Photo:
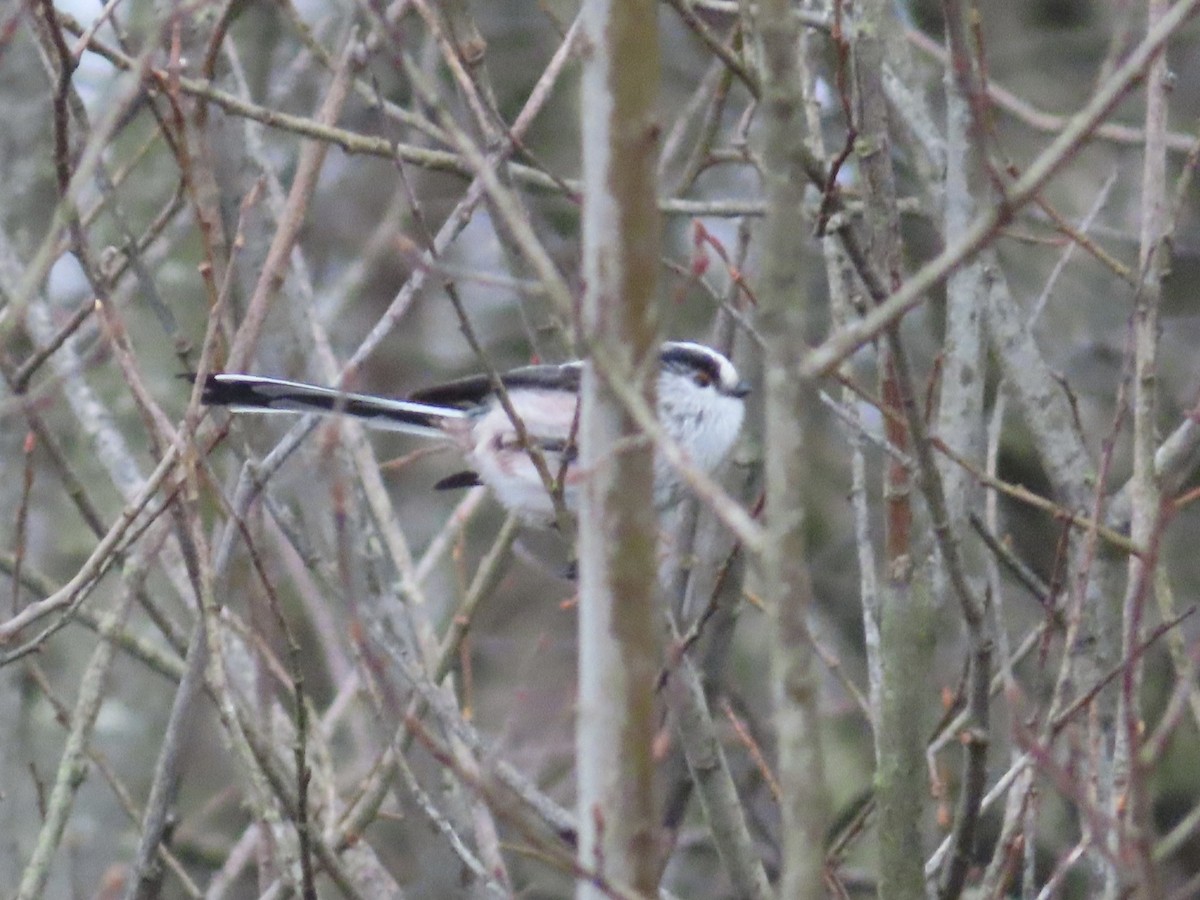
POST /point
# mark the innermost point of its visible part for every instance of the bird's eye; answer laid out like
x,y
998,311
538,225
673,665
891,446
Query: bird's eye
x,y
702,379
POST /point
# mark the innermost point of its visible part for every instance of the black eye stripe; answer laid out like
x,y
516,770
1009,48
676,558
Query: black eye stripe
x,y
686,361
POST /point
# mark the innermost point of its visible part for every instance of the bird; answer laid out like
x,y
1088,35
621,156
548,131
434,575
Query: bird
x,y
701,406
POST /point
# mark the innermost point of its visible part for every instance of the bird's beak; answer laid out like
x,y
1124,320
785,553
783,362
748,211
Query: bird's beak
x,y
739,390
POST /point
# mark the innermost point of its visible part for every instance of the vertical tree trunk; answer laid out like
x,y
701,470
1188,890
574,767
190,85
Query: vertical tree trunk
x,y
789,401
618,630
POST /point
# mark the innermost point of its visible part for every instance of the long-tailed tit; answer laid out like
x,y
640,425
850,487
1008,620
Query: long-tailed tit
x,y
700,405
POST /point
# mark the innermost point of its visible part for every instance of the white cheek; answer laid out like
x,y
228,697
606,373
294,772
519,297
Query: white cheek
x,y
704,423
716,432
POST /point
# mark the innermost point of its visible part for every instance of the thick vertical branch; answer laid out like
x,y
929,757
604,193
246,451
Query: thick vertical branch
x,y
618,529
786,586
903,602
1130,787
960,418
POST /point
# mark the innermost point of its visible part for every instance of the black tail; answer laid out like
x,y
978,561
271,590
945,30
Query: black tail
x,y
254,393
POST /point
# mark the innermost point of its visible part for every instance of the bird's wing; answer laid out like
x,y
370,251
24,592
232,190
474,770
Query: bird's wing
x,y
475,389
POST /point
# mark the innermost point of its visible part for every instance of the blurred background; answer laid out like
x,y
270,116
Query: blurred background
x,y
358,272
